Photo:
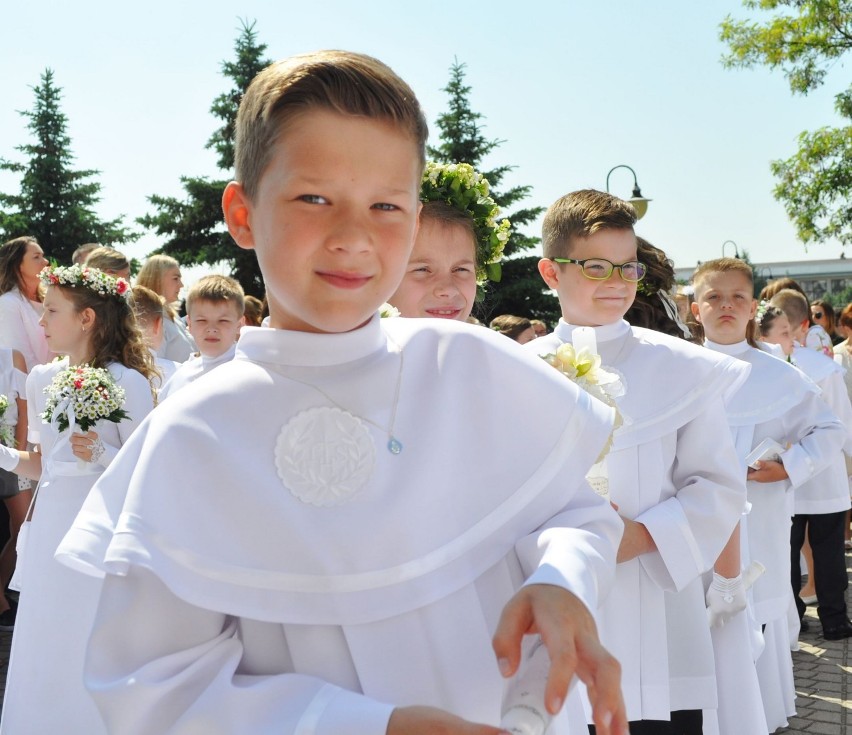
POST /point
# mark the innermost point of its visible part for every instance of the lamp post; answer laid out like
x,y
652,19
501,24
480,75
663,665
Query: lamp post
x,y
736,249
640,203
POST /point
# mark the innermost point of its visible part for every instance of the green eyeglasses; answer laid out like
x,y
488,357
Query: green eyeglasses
x,y
599,269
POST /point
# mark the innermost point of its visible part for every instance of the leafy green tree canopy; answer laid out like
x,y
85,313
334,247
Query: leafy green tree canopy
x,y
193,227
55,203
520,290
805,39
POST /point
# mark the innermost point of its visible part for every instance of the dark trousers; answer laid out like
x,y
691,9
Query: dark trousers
x,y
683,722
825,533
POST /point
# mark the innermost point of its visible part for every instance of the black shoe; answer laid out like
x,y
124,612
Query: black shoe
x,y
7,619
804,626
837,632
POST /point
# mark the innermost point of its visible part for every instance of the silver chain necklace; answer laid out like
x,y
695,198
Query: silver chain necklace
x,y
394,445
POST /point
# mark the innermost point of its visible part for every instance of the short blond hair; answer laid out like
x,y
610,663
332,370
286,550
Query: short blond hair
x,y
107,259
793,304
217,289
340,81
581,214
721,265
148,306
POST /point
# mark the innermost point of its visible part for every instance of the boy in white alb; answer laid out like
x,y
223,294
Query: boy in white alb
x,y
820,504
679,502
215,308
343,547
777,402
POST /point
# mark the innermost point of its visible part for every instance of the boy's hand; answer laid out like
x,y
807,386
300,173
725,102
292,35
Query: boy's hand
x,y
432,721
568,631
768,470
635,541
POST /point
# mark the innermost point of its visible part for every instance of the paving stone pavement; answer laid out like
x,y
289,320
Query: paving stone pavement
x,y
823,672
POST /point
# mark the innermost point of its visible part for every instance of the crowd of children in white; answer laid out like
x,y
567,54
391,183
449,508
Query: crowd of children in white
x,y
366,516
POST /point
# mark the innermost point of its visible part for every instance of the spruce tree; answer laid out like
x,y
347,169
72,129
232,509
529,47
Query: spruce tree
x,y
520,291
55,203
193,225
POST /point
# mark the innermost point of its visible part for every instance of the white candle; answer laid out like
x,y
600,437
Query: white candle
x,y
584,337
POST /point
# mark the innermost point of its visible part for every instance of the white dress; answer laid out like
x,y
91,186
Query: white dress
x,y
44,687
664,474
253,601
777,402
20,330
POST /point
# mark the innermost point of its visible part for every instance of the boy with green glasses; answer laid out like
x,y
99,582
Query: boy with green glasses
x,y
679,501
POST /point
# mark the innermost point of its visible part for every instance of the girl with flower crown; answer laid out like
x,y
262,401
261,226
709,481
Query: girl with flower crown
x,y
458,247
88,319
775,403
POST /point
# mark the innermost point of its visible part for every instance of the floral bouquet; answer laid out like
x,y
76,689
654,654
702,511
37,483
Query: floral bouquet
x,y
81,396
7,438
583,366
387,311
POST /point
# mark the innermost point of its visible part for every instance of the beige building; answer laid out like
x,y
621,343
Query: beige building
x,y
816,277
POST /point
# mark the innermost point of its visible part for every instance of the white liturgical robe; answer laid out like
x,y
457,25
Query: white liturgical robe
x,y
776,402
273,568
672,467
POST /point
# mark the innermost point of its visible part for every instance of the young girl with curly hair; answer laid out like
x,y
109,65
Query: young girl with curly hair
x,y
88,319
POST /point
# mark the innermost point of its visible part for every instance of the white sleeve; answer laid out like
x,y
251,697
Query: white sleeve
x,y
13,334
33,417
691,528
575,549
138,403
834,393
817,436
157,664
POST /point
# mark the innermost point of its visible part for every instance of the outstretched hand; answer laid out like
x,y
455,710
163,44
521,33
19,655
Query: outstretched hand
x,y
568,631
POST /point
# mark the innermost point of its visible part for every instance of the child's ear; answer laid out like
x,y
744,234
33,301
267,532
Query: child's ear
x,y
549,272
87,319
236,208
693,307
753,309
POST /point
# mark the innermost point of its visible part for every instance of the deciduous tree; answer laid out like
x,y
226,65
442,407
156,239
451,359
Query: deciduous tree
x,y
805,39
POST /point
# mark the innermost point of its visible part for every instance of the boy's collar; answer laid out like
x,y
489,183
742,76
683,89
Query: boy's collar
x,y
308,349
737,348
603,333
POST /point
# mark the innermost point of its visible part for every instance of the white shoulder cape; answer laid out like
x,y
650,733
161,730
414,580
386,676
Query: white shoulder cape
x,y
495,444
684,376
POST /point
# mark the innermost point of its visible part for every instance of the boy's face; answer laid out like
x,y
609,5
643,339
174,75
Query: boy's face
x,y
333,221
587,302
214,325
440,280
724,304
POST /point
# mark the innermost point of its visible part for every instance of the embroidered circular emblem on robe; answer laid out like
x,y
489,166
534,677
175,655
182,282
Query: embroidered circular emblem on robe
x,y
324,455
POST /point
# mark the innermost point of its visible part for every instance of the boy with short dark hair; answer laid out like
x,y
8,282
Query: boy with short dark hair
x,y
678,498
341,544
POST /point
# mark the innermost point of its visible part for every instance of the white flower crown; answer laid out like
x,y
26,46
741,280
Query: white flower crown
x,y
82,275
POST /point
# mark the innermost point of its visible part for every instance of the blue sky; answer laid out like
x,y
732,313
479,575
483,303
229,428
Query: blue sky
x,y
574,89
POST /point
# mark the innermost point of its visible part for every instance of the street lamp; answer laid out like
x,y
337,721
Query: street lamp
x,y
640,203
736,249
